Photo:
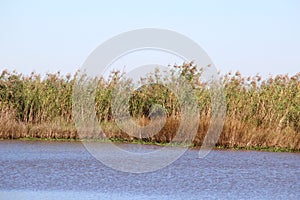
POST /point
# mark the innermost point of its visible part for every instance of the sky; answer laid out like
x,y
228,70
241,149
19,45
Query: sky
x,y
249,36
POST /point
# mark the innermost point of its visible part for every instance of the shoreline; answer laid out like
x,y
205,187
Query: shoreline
x,y
261,114
195,147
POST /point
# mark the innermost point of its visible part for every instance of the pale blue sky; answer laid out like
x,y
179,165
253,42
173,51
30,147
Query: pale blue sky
x,y
250,36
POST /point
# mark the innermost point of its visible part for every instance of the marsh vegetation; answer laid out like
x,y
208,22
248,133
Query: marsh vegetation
x,y
260,112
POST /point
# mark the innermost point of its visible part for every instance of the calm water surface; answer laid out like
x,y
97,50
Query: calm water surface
x,y
65,170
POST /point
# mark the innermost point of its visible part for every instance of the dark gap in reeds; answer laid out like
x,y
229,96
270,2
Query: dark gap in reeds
x,y
260,113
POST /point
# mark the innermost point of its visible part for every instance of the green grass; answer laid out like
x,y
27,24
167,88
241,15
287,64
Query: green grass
x,y
136,141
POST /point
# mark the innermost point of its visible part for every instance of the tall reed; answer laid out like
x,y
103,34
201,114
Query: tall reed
x,y
260,112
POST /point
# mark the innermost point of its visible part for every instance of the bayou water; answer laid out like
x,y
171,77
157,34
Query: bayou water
x,y
66,170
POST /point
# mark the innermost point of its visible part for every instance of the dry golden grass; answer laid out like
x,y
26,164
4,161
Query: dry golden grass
x,y
260,113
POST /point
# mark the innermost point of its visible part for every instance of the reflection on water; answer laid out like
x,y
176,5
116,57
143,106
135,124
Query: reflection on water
x,y
65,170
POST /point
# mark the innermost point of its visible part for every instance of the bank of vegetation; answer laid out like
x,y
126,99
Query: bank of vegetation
x,y
261,113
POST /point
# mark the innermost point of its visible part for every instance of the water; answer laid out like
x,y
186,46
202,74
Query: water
x,y
65,170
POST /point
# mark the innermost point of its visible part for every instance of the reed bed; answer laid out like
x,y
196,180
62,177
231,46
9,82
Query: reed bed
x,y
263,113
